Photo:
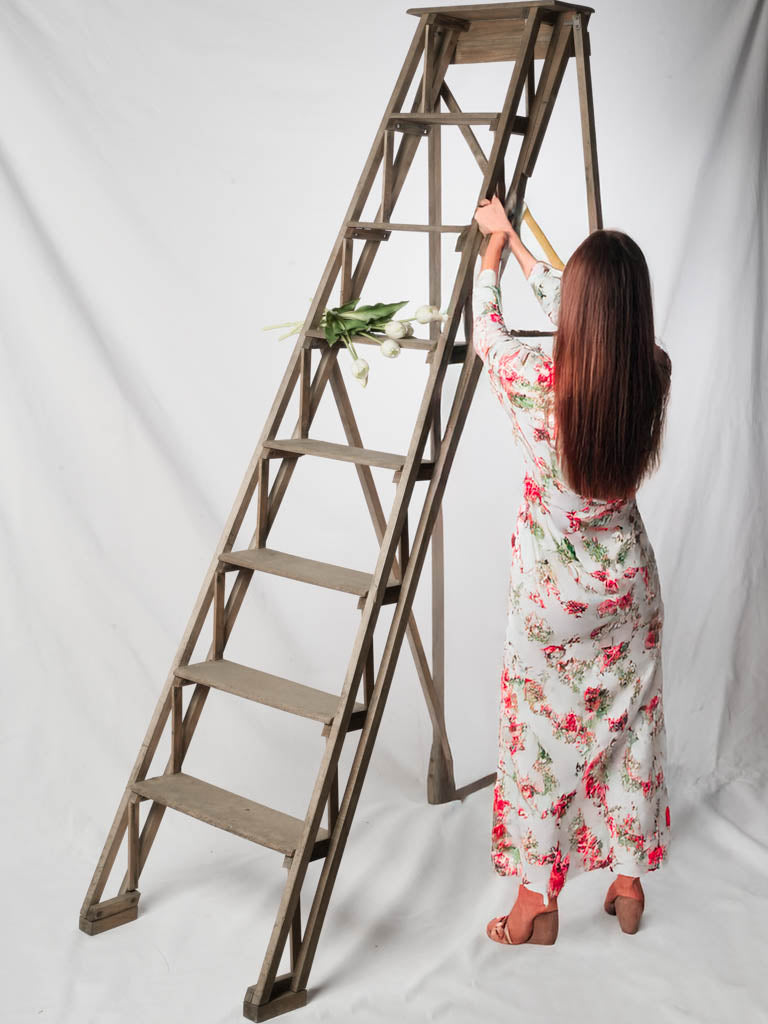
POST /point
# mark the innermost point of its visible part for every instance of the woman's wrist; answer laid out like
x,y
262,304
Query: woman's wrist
x,y
522,254
497,241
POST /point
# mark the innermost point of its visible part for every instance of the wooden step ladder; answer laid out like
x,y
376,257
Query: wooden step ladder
x,y
523,33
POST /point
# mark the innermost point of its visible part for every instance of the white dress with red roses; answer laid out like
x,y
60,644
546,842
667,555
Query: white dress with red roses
x,y
582,745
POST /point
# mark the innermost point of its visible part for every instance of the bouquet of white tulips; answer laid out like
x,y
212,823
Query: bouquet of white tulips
x,y
374,322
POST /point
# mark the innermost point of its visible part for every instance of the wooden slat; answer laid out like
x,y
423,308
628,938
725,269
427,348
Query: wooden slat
x,y
445,117
114,906
342,452
390,226
546,94
306,570
497,40
133,845
319,340
415,119
584,77
225,810
450,101
493,12
265,688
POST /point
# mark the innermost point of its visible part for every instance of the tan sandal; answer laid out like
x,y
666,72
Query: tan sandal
x,y
626,901
544,928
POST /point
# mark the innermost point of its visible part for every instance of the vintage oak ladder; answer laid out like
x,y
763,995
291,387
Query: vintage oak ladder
x,y
551,33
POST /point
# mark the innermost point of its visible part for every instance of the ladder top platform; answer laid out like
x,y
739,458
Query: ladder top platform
x,y
494,32
492,12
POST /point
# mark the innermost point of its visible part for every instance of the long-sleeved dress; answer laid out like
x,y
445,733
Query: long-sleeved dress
x,y
582,745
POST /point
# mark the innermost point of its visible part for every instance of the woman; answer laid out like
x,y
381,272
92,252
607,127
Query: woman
x,y
582,745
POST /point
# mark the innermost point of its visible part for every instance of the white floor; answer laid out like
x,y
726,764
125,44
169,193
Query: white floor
x,y
404,935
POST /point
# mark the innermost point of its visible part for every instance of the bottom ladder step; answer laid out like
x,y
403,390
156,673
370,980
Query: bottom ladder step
x,y
230,812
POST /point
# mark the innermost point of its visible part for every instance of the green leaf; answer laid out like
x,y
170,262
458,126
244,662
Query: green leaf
x,y
354,316
332,328
346,321
381,309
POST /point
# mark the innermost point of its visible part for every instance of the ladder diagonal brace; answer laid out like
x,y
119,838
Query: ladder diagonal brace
x,y
379,522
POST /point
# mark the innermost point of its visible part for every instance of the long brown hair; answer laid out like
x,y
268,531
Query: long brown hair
x,y
611,380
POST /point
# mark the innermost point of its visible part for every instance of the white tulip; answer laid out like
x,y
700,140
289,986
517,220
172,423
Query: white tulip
x,y
360,370
395,329
424,314
390,348
408,329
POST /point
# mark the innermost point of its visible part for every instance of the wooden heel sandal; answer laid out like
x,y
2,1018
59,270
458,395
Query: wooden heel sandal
x,y
544,929
626,905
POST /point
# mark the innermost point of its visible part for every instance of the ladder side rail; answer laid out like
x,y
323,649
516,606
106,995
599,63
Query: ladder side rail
x,y
469,375
242,581
202,605
239,589
260,992
558,53
562,46
586,105
441,781
543,101
364,749
406,151
440,775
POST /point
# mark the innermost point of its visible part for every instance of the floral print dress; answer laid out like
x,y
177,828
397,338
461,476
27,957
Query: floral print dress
x,y
580,777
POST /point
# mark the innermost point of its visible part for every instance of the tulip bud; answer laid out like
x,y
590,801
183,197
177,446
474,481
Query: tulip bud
x,y
395,329
360,370
424,314
390,348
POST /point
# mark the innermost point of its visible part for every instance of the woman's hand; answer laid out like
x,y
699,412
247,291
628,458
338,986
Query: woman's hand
x,y
492,217
492,220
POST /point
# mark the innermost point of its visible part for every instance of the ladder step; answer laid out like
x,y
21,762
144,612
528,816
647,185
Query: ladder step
x,y
348,453
265,688
228,811
307,570
343,452
319,340
416,120
386,226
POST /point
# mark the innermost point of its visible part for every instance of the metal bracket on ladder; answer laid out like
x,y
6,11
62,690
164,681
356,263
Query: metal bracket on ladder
x,y
550,32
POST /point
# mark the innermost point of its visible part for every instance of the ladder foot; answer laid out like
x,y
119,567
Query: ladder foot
x,y
282,1000
110,913
441,785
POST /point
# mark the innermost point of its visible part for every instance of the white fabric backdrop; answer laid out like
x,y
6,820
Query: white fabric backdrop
x,y
173,175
